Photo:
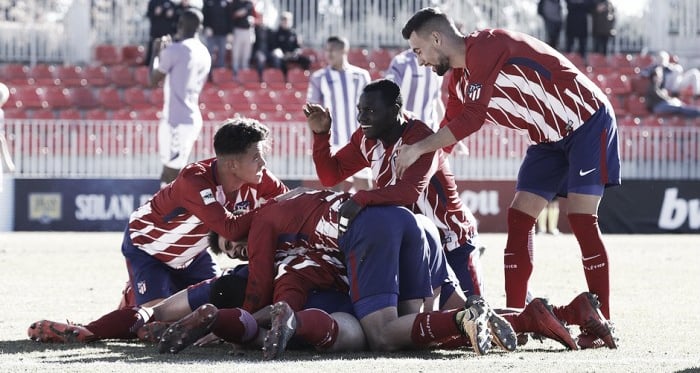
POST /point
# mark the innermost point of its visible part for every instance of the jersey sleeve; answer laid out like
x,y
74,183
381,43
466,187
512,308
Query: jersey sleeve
x,y
270,186
313,93
261,264
334,168
166,59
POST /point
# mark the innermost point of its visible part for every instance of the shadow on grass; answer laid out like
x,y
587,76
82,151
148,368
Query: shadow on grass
x,y
139,352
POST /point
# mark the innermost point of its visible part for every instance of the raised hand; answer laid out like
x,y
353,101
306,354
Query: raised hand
x,y
318,118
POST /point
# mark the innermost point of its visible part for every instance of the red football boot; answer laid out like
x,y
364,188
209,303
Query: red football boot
x,y
151,332
188,329
584,311
538,318
283,326
57,332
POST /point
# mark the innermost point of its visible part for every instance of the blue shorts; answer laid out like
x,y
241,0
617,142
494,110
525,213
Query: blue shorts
x,y
440,272
386,254
152,279
586,161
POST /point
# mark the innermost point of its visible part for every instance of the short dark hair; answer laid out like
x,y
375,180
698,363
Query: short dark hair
x,y
191,19
214,243
391,93
236,135
419,20
341,41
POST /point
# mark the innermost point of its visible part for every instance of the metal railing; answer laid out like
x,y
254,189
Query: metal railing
x,y
128,149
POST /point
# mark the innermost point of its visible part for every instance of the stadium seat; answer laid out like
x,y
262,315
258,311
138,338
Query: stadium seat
x,y
96,76
598,63
69,114
249,78
150,113
222,77
577,60
628,121
142,76
121,76
617,84
274,78
57,97
156,97
358,57
16,74
298,78
15,113
110,98
640,84
43,114
43,75
621,63
636,105
96,114
107,54
27,97
380,58
83,98
292,97
643,60
213,100
137,98
133,55
70,76
123,114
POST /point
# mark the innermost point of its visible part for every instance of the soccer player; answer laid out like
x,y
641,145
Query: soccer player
x,y
421,88
165,243
338,87
427,187
514,80
184,65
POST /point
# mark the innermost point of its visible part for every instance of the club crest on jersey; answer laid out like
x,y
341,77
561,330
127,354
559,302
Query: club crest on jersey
x,y
241,207
207,196
474,91
141,287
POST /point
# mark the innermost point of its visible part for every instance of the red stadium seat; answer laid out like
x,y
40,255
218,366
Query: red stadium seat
x,y
577,60
16,113
358,57
69,114
43,114
70,76
273,78
122,76
249,78
617,84
96,114
28,97
137,98
142,76
156,97
298,78
628,121
643,60
15,74
636,105
598,63
83,98
213,100
43,75
150,113
133,55
96,76
110,98
107,54
123,114
57,97
222,77
380,58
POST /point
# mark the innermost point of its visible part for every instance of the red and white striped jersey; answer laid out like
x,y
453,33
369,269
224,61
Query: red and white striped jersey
x,y
517,81
306,226
173,226
427,187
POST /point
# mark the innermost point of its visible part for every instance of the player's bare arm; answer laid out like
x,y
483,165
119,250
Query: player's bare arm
x,y
318,118
409,154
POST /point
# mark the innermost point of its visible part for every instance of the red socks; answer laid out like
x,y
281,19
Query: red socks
x,y
517,258
594,257
114,325
316,327
432,329
235,325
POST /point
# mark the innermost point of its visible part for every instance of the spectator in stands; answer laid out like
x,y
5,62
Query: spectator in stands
x,y
659,101
338,87
603,14
163,17
243,15
261,47
5,158
217,27
577,25
421,88
676,79
286,46
551,13
184,65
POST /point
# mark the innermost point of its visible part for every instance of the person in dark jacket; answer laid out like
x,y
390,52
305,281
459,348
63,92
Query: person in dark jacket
x,y
603,15
577,25
286,46
217,27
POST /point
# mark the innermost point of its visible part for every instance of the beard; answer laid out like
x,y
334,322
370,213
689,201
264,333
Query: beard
x,y
443,66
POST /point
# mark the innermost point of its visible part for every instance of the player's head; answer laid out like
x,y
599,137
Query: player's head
x,y
234,250
428,32
4,94
336,51
190,22
240,145
286,20
378,110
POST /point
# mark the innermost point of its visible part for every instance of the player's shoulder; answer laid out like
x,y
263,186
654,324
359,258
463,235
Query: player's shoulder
x,y
416,129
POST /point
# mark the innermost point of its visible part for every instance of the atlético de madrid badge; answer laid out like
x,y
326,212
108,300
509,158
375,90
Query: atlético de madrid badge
x,y
474,91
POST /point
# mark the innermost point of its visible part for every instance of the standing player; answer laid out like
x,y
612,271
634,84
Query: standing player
x,y
427,187
421,88
338,87
165,244
184,66
517,81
